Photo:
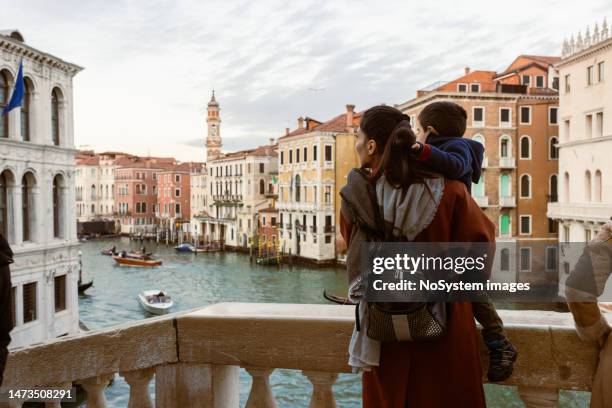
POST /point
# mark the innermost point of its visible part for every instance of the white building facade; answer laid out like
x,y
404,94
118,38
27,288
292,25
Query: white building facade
x,y
95,188
37,192
585,112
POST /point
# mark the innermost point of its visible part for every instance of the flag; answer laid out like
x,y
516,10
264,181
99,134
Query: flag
x,y
18,92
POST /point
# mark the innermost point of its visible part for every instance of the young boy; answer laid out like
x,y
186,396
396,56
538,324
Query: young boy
x,y
441,146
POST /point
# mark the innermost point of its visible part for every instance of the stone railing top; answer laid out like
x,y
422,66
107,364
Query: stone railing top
x,y
294,336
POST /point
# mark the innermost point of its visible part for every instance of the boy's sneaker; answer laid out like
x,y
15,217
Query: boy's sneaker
x,y
502,355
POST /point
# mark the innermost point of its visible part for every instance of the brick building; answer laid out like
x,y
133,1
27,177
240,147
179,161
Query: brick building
x,y
136,192
515,115
174,197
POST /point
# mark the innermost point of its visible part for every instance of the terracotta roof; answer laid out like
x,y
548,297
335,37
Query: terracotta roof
x,y
484,78
336,124
88,161
524,61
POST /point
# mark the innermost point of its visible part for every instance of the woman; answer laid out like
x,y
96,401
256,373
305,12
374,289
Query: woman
x,y
422,207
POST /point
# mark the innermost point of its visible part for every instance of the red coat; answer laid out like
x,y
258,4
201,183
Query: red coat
x,y
447,372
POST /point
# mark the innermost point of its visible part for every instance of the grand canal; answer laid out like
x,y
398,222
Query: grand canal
x,y
196,281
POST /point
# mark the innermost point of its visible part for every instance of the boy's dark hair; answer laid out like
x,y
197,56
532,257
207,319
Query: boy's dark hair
x,y
448,118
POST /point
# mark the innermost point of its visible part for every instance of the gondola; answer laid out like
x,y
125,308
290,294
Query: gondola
x,y
337,299
84,286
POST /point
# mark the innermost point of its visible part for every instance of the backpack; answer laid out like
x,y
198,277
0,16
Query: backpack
x,y
397,321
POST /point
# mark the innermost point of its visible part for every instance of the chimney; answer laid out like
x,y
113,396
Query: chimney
x,y
467,70
350,110
300,123
286,131
272,140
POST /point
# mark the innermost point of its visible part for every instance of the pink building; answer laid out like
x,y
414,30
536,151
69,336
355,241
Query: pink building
x,y
174,196
136,192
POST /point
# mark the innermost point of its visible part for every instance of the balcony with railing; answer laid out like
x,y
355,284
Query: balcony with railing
x,y
482,201
507,201
194,357
507,162
329,229
592,212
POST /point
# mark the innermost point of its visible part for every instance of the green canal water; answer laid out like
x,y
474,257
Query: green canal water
x,y
195,281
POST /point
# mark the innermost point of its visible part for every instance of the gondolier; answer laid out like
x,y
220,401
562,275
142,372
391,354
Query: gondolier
x,y
6,316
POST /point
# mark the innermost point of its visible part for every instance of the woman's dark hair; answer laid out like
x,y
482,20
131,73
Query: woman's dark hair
x,y
448,118
390,129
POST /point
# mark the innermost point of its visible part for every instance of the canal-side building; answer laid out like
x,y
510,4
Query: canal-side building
x,y
239,185
37,191
314,160
136,192
95,186
173,207
514,114
585,169
199,197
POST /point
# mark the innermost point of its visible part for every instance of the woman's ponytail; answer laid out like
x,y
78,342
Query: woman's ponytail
x,y
391,130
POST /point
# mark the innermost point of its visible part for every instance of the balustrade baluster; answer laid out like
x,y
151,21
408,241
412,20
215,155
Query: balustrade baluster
x,y
322,393
61,386
539,397
139,387
261,394
95,390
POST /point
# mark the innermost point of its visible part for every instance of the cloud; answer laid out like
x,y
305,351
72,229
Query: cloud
x,y
151,64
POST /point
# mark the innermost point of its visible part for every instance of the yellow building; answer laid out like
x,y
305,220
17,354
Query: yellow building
x,y
314,160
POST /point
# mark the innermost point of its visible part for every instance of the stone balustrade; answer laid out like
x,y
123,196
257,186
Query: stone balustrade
x,y
194,357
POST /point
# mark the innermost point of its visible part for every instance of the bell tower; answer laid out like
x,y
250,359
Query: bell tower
x,y
213,138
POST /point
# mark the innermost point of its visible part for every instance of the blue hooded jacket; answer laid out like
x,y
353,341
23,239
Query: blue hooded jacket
x,y
455,158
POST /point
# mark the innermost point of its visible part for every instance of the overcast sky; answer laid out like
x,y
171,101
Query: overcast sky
x,y
150,65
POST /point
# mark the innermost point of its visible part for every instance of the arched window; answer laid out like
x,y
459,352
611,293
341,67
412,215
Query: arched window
x,y
297,188
525,186
58,207
93,192
553,189
26,110
27,184
553,148
587,186
566,187
597,195
525,147
504,147
262,187
56,98
4,99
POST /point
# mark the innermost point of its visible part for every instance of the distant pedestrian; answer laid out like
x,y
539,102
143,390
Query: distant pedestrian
x,y
6,315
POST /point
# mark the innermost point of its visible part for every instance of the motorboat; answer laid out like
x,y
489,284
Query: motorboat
x,y
186,247
136,260
155,301
212,247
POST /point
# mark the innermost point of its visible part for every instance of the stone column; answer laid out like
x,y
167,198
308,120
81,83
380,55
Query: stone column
x,y
14,193
261,394
203,385
36,215
322,393
139,387
95,390
57,403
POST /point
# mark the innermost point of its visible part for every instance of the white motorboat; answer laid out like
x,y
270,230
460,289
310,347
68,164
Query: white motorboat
x,y
155,301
